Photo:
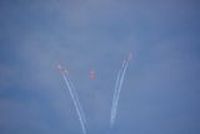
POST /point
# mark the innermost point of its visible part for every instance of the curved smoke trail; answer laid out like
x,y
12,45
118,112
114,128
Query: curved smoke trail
x,y
75,99
115,94
117,90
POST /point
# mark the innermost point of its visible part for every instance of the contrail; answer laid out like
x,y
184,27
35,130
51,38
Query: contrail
x,y
118,87
75,99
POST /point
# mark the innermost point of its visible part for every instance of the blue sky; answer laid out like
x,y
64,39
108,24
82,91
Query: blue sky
x,y
161,92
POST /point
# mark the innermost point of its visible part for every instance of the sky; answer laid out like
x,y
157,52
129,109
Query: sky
x,y
161,90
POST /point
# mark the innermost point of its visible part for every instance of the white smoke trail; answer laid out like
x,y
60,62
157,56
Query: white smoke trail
x,y
115,92
117,80
118,87
76,102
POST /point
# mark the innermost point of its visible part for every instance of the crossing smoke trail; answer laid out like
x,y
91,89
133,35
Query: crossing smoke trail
x,y
117,90
75,99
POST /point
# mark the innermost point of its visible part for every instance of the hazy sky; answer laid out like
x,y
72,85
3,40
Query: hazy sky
x,y
161,91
